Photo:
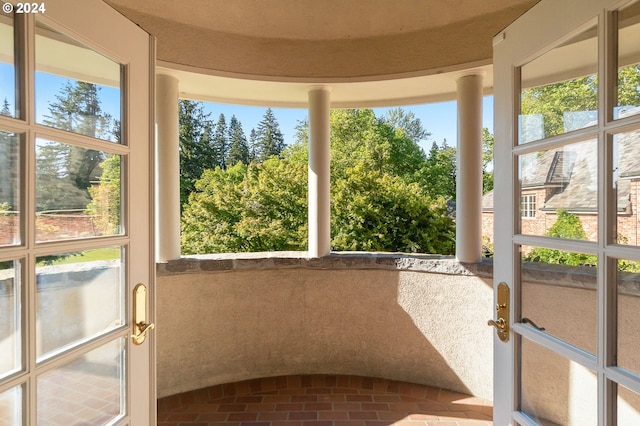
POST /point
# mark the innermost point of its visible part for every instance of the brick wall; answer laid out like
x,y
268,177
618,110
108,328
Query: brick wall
x,y
627,222
50,227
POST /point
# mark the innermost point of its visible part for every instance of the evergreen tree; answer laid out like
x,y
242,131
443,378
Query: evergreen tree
x,y
65,172
268,139
438,175
196,145
77,109
239,148
220,142
9,150
253,136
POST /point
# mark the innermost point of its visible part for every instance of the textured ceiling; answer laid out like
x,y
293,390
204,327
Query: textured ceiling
x,y
395,51
329,39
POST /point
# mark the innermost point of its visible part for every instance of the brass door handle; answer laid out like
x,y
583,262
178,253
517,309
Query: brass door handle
x,y
140,332
502,308
500,324
140,325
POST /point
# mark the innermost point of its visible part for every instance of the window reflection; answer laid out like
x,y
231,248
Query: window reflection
x,y
628,93
7,67
77,192
9,189
559,192
77,89
88,287
559,90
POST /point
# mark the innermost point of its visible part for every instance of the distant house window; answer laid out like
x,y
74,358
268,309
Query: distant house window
x,y
528,206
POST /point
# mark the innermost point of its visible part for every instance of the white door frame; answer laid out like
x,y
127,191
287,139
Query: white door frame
x,y
100,27
535,32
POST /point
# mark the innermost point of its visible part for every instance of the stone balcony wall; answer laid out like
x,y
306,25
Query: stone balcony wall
x,y
228,318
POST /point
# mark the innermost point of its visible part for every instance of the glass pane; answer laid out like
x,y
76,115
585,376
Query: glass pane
x,y
87,391
11,407
80,296
626,179
77,192
555,390
628,407
10,324
559,90
628,102
628,308
550,279
7,66
559,192
9,189
77,89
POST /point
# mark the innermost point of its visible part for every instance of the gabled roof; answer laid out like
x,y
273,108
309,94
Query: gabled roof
x,y
571,172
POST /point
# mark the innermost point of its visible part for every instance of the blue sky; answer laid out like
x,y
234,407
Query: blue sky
x,y
440,119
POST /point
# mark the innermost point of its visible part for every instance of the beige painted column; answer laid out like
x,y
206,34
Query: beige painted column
x,y
469,168
167,169
319,173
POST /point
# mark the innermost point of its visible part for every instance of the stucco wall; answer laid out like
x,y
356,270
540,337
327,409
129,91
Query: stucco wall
x,y
339,317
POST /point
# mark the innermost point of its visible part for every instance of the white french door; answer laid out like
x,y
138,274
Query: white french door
x,y
567,234
76,81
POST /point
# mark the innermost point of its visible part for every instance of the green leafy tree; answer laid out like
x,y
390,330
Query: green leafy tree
x,y
238,146
438,173
105,197
487,161
269,140
56,186
376,211
377,202
197,153
407,124
568,226
553,100
629,86
255,207
65,172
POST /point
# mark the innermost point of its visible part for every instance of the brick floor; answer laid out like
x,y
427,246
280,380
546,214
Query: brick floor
x,y
323,400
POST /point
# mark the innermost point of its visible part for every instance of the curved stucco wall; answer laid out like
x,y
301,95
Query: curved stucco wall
x,y
221,326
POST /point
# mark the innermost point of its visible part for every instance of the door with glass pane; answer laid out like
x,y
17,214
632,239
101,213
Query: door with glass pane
x,y
75,209
567,108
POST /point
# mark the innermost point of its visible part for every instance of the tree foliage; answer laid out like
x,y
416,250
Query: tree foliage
x,y
259,207
407,124
487,161
238,146
378,202
567,225
65,172
375,211
438,174
105,197
197,151
268,139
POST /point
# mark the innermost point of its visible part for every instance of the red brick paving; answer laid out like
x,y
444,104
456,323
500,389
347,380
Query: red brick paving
x,y
323,400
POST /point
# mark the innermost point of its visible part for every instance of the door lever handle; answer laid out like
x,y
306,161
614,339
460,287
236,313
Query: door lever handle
x,y
140,325
528,321
500,324
502,311
141,332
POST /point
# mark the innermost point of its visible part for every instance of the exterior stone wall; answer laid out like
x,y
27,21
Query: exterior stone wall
x,y
421,319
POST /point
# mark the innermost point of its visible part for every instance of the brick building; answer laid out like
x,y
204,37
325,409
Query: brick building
x,y
565,178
